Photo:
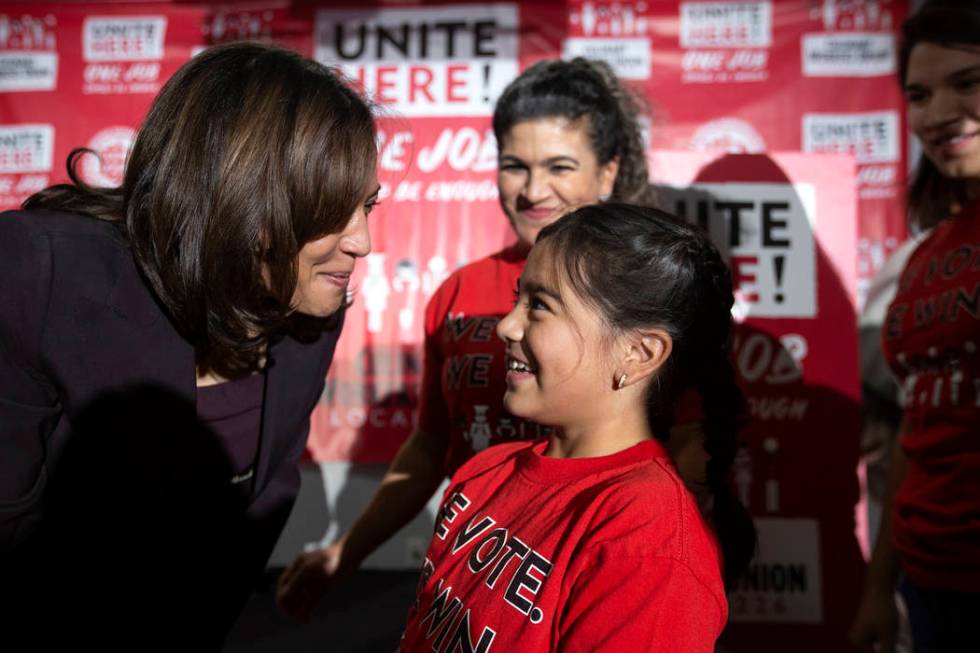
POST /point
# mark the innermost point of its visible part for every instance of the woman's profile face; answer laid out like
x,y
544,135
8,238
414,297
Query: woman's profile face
x,y
942,89
547,167
325,265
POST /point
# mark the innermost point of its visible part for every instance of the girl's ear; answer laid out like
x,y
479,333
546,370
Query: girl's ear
x,y
645,351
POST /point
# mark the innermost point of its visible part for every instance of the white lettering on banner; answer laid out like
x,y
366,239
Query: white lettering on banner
x,y
871,137
857,15
238,25
461,56
112,148
727,135
723,66
26,148
783,583
848,54
28,60
462,149
760,358
726,24
766,230
375,290
123,38
630,58
616,19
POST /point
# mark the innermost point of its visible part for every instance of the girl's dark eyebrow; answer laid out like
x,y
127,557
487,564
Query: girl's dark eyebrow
x,y
533,287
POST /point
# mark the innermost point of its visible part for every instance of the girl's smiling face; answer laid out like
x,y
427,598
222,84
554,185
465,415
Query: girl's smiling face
x,y
558,370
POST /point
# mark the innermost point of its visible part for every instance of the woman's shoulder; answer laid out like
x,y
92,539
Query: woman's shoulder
x,y
61,228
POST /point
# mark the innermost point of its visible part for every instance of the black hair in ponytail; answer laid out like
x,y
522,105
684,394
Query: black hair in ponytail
x,y
642,267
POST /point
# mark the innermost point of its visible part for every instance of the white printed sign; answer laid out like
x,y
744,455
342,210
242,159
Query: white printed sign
x,y
26,148
452,60
872,137
766,232
726,24
629,58
123,38
28,71
783,582
848,54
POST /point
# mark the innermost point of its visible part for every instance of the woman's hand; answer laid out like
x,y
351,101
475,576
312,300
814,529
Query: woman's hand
x,y
876,622
308,578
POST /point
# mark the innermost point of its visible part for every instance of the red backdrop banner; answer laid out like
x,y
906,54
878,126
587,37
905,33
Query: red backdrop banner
x,y
726,83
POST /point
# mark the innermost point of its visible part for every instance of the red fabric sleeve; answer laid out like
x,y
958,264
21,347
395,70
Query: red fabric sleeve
x,y
625,603
433,413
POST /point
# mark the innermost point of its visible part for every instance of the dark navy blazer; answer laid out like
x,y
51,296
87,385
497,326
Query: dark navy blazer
x,y
116,515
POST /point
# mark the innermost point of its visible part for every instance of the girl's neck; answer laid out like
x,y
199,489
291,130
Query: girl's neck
x,y
600,439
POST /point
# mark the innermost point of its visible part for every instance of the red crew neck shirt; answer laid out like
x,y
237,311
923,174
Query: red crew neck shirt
x,y
532,553
931,338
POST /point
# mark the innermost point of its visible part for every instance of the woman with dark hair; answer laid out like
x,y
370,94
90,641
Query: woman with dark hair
x,y
589,540
162,345
568,135
930,531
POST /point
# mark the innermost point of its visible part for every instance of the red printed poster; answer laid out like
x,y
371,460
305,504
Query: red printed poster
x,y
752,76
434,72
787,224
804,232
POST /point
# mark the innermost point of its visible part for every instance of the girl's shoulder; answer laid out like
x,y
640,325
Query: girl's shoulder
x,y
492,457
651,512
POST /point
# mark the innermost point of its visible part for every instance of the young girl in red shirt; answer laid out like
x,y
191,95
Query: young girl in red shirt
x,y
588,540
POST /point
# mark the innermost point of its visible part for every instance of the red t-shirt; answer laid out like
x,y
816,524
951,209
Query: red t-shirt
x,y
589,554
463,378
931,336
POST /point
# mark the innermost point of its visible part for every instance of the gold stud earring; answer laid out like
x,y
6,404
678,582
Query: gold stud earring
x,y
621,382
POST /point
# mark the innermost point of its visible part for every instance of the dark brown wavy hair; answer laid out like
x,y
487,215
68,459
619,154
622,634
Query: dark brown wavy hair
x,y
951,24
249,152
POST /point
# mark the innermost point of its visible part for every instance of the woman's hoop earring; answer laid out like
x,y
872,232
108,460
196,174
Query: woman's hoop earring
x,y
621,383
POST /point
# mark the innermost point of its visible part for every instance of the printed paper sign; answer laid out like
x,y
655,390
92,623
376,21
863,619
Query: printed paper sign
x,y
433,61
782,584
766,231
28,71
871,137
28,55
123,38
848,54
26,148
726,24
629,58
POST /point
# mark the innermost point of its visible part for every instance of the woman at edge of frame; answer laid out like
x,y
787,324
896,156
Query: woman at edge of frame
x,y
928,543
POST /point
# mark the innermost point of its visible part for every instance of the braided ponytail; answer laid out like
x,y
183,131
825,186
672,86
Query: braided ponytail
x,y
722,402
